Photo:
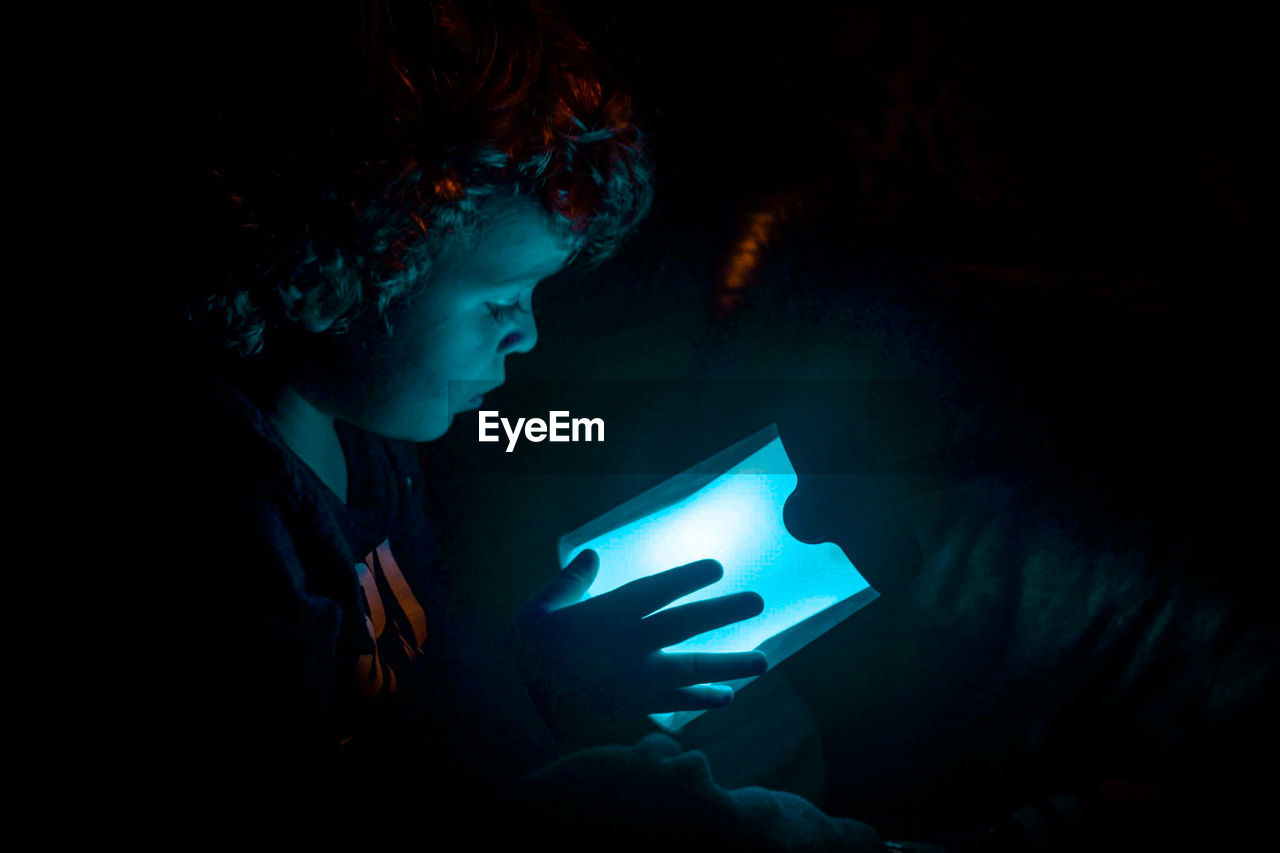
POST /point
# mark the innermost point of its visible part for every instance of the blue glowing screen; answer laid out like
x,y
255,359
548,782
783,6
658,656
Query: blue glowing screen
x,y
734,516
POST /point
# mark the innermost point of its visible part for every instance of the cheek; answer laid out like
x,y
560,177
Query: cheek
x,y
469,351
419,347
434,343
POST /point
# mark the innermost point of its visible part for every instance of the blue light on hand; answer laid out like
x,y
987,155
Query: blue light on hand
x,y
729,508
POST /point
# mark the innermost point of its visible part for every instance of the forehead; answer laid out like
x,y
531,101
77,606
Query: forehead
x,y
517,243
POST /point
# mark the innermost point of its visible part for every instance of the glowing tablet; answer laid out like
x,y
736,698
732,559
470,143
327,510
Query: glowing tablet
x,y
729,508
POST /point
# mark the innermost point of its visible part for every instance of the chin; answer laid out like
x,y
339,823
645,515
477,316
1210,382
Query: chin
x,y
432,435
433,430
417,431
420,434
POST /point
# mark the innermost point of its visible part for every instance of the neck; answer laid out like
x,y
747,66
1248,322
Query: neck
x,y
310,433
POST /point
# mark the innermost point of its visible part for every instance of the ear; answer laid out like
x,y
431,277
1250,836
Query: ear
x,y
302,310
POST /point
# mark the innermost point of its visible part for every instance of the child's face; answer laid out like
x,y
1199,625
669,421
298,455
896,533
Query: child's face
x,y
449,341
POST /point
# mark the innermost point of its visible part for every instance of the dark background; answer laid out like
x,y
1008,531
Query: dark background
x,y
932,242
927,244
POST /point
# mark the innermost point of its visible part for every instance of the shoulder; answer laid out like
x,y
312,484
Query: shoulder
x,y
238,523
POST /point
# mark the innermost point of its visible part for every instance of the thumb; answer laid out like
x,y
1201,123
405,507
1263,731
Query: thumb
x,y
569,585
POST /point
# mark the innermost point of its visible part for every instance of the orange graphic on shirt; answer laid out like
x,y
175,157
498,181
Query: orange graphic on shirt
x,y
372,674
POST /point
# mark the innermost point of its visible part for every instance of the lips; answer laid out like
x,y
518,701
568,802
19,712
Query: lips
x,y
479,398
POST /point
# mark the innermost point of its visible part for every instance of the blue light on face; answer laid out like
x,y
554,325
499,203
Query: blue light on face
x,y
736,518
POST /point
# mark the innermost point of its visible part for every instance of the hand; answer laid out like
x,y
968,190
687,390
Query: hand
x,y
595,662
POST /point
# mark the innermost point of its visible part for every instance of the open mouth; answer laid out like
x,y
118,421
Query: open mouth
x,y
478,399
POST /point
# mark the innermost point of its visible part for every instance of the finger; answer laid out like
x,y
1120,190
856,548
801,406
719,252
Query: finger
x,y
678,670
677,624
569,585
700,698
643,596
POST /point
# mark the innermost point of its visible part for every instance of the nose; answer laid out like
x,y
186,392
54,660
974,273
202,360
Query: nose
x,y
523,338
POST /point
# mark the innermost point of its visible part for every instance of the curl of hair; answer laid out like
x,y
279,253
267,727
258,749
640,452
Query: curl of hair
x,y
346,156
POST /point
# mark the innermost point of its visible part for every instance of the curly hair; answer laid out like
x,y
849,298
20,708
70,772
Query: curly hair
x,y
344,151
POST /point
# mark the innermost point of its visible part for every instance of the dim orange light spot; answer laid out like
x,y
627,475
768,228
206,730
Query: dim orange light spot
x,y
448,188
748,251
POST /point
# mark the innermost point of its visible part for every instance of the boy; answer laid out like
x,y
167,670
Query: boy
x,y
389,204
390,184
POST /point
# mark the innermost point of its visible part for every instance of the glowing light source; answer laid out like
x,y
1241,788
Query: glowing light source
x,y
729,508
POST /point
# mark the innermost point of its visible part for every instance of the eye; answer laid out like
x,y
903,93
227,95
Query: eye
x,y
502,311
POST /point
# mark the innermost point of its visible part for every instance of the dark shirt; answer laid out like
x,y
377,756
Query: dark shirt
x,y
302,622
